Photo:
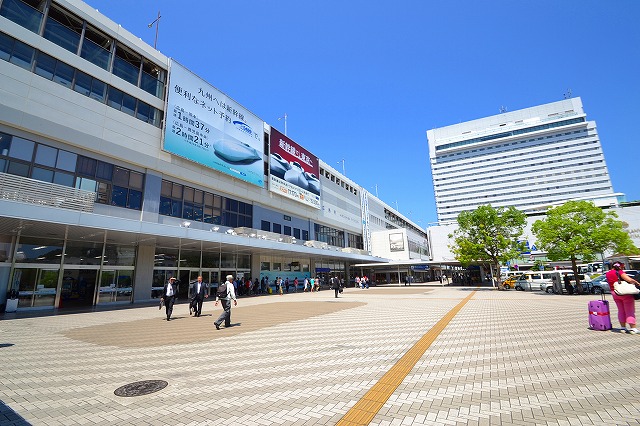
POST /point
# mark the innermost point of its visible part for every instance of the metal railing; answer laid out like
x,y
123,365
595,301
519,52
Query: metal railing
x,y
32,191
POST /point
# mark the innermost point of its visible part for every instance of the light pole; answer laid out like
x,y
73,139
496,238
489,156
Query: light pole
x,y
285,122
157,23
343,172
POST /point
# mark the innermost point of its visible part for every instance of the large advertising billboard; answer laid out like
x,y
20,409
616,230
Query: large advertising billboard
x,y
206,126
293,171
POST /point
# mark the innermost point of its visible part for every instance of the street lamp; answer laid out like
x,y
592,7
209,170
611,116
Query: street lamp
x,y
157,23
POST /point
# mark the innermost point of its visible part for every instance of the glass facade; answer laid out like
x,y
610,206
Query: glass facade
x,y
66,30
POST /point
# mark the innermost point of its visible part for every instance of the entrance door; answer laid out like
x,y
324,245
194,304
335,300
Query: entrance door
x,y
116,286
36,286
78,288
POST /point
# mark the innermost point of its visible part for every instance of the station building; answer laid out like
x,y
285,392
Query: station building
x,y
120,168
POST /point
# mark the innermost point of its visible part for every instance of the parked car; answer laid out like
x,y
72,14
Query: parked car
x,y
585,280
600,285
509,283
536,280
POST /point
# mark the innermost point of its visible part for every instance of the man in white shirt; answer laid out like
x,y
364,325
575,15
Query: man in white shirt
x,y
225,295
169,293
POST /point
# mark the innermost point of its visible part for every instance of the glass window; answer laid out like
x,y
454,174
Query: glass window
x,y
198,213
277,228
63,29
176,208
166,188
115,98
22,55
86,184
63,179
21,149
265,226
144,111
5,143
125,70
83,83
128,104
188,194
44,175
296,233
98,90
155,116
45,66
104,171
6,46
18,168
305,235
96,48
135,200
86,166
64,74
26,13
119,196
165,206
46,155
176,191
67,161
135,180
121,176
152,79
126,64
197,196
103,192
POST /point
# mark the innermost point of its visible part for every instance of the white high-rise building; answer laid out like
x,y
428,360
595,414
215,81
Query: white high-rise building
x,y
529,159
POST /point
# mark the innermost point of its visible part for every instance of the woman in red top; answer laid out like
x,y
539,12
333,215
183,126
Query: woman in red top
x,y
626,304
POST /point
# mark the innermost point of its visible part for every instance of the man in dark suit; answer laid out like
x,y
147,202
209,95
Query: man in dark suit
x,y
169,293
199,292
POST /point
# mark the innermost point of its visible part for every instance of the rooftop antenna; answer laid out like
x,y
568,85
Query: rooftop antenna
x,y
503,109
285,122
157,23
567,94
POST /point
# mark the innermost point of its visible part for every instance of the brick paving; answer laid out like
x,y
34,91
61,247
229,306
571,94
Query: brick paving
x,y
506,358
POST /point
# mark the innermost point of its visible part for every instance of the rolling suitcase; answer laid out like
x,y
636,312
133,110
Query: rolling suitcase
x,y
599,317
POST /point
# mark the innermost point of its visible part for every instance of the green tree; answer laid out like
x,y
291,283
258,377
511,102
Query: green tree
x,y
488,236
580,230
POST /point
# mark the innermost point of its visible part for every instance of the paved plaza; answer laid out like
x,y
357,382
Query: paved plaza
x,y
419,355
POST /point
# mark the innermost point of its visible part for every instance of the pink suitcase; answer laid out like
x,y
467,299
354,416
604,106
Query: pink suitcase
x,y
599,317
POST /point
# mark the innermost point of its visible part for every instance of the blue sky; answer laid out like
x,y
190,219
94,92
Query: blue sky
x,y
362,81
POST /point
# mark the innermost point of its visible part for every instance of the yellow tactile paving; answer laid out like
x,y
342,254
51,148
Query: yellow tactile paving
x,y
368,406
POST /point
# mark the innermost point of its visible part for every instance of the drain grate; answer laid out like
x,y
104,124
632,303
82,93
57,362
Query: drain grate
x,y
144,387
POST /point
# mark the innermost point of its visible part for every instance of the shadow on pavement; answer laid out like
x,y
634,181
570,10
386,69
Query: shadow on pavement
x,y
10,417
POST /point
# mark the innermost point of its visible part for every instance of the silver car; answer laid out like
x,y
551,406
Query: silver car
x,y
600,284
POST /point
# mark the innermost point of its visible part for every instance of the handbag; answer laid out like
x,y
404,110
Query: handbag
x,y
623,288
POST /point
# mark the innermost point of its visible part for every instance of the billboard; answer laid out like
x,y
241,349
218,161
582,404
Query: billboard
x,y
293,171
206,126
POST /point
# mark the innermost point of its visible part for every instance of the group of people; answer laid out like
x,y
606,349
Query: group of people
x,y
225,294
362,282
626,304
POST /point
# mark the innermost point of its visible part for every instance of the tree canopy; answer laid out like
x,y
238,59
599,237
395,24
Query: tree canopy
x,y
488,236
580,230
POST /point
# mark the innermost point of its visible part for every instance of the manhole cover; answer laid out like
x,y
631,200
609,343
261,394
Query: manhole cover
x,y
144,387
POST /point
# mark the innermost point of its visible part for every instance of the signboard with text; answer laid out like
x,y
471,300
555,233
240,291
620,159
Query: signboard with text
x,y
293,171
206,126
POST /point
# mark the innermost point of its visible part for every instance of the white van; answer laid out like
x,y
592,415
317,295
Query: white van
x,y
541,280
535,280
584,279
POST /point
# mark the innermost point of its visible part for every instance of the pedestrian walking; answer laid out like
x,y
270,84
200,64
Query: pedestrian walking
x,y
225,294
200,292
169,293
